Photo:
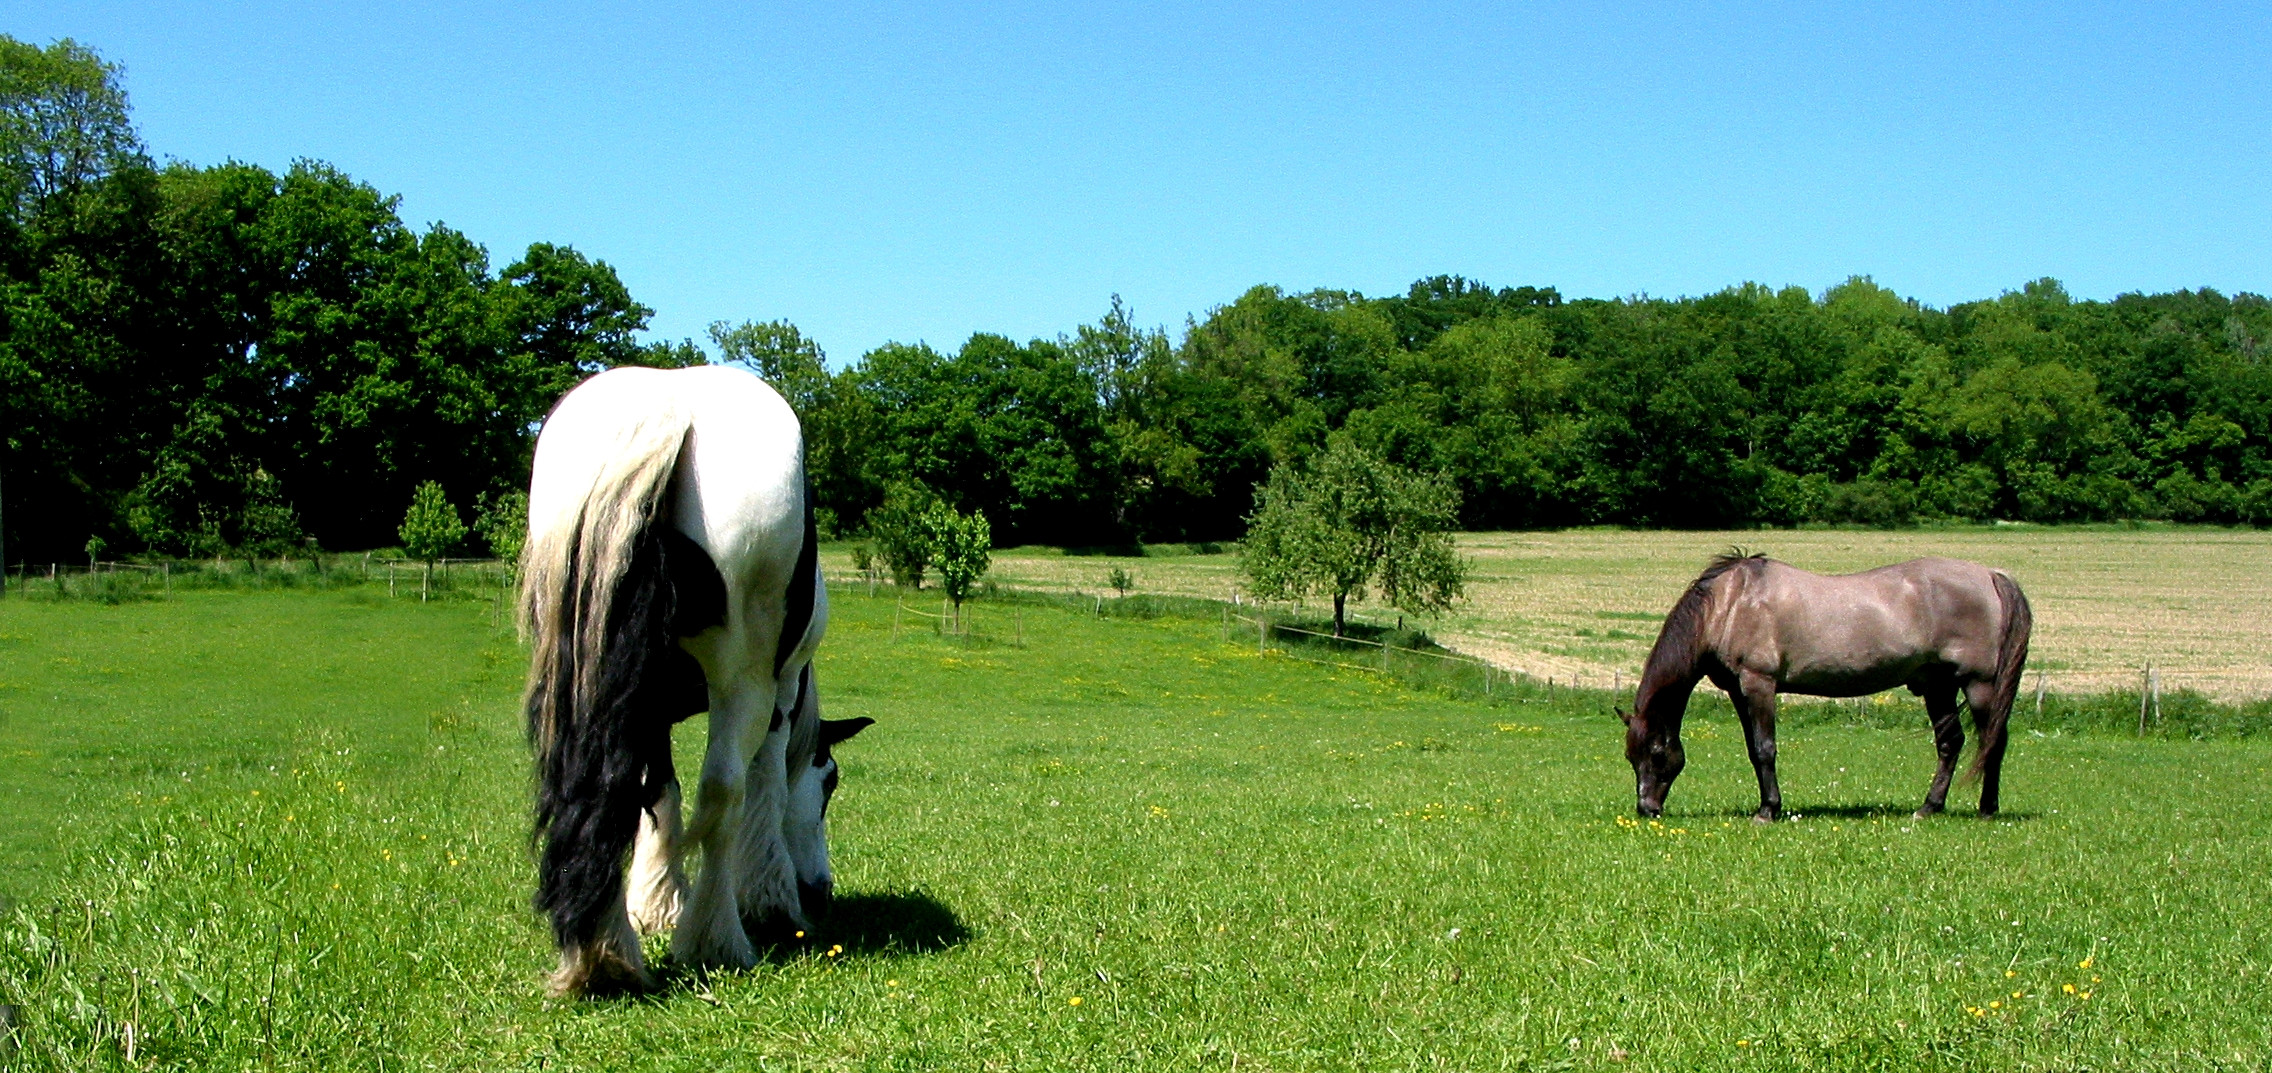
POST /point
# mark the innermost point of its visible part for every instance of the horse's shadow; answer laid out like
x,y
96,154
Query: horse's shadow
x,y
1877,812
890,923
884,924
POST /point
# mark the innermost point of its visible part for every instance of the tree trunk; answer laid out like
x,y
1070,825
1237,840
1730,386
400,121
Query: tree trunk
x,y
1339,599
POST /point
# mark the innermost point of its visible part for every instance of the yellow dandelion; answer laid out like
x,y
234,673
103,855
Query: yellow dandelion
x,y
1995,1004
2086,962
2094,979
1074,1001
2015,994
288,817
256,793
2085,996
2008,974
335,886
1743,1043
2068,988
891,983
1978,1012
800,935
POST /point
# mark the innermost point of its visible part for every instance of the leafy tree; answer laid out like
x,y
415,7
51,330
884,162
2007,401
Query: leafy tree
x,y
961,547
903,534
269,526
1348,521
430,528
63,122
503,523
779,354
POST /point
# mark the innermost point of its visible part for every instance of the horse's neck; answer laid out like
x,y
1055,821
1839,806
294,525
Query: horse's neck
x,y
1663,697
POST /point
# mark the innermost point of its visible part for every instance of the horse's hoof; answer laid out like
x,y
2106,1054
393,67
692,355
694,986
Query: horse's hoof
x,y
1926,813
1764,818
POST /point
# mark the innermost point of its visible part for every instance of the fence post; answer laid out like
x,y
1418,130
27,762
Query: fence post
x,y
166,571
2039,695
2154,686
2145,683
1261,635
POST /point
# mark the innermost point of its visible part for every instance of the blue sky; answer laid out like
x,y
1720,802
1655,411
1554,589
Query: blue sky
x,y
878,172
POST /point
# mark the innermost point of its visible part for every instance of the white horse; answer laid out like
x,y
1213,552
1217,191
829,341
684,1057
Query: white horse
x,y
670,570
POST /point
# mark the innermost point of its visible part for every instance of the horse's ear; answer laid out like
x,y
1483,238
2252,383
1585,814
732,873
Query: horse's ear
x,y
836,730
1623,716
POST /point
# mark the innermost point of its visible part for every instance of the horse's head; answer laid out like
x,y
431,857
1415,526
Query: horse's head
x,y
1655,753
811,783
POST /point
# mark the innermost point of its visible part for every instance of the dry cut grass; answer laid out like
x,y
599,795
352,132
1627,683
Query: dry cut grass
x,y
1584,605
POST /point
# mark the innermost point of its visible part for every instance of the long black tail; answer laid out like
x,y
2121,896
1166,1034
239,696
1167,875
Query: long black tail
x,y
608,757
2011,662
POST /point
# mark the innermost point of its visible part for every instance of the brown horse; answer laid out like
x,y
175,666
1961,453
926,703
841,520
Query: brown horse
x,y
1757,627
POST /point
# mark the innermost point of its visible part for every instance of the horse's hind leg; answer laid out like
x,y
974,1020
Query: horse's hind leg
x,y
658,873
1981,698
1948,739
1754,699
710,931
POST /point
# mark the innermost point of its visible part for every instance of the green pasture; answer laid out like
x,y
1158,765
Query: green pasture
x,y
287,829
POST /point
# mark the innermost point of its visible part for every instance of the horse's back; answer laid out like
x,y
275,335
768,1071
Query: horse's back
x,y
741,471
1866,631
737,491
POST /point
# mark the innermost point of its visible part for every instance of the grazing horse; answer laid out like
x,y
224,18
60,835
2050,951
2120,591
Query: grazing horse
x,y
1757,627
670,570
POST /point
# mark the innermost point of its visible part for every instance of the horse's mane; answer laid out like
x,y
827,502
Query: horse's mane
x,y
1681,640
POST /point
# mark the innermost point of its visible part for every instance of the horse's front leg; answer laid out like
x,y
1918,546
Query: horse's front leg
x,y
1754,698
1948,740
769,873
710,931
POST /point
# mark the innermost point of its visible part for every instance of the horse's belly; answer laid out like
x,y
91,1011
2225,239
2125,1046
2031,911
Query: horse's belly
x,y
1847,679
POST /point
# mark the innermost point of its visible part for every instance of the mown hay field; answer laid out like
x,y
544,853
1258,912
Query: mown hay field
x,y
1584,604
287,830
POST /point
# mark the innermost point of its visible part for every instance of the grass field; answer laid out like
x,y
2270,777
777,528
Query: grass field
x,y
1085,842
1585,603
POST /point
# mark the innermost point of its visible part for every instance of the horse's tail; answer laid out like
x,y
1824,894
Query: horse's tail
x,y
2011,662
597,602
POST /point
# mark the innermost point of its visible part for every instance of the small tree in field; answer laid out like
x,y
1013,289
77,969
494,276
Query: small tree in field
x,y
503,523
429,530
269,526
961,547
902,532
1351,520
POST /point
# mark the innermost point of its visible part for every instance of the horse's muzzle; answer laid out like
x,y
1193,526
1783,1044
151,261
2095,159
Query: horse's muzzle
x,y
815,898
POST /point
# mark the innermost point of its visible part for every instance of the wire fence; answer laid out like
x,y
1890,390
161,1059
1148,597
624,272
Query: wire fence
x,y
117,581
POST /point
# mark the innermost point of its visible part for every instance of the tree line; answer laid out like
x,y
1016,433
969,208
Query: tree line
x,y
196,357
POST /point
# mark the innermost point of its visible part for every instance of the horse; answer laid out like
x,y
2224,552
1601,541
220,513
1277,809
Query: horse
x,y
671,569
1757,627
